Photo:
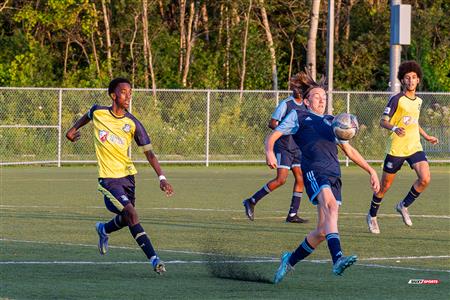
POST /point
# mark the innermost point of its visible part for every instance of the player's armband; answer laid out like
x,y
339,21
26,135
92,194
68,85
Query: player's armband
x,y
146,148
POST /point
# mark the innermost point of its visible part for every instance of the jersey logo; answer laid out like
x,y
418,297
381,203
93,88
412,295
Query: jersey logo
x,y
103,135
387,110
407,120
308,119
126,128
124,198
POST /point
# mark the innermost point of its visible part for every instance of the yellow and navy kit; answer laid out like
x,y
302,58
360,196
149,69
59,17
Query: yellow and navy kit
x,y
112,138
404,112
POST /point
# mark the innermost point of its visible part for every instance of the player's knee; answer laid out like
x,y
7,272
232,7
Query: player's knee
x,y
424,181
130,216
280,181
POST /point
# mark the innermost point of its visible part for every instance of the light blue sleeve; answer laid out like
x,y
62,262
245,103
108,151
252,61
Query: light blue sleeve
x,y
280,111
290,124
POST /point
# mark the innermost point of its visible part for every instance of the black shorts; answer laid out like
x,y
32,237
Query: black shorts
x,y
392,164
118,192
314,183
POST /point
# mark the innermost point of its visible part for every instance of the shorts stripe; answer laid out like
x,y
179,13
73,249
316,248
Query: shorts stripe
x,y
314,185
111,197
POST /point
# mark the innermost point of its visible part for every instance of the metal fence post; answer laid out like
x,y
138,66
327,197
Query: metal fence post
x,y
348,111
208,99
59,126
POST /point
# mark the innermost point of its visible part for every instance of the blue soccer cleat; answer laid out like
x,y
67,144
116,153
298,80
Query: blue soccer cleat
x,y
284,267
343,263
158,265
102,238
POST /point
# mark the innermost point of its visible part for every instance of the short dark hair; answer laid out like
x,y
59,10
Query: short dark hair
x,y
407,67
115,82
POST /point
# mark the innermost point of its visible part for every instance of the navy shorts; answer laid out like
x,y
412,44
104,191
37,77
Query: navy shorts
x,y
314,183
287,159
118,192
393,164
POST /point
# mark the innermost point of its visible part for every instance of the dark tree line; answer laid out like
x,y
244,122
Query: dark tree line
x,y
224,44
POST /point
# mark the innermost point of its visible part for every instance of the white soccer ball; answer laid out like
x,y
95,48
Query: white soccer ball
x,y
345,126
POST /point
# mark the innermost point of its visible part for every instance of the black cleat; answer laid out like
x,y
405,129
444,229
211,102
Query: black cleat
x,y
249,209
295,219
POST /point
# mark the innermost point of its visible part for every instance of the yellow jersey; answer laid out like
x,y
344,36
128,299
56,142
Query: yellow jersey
x,y
404,112
112,138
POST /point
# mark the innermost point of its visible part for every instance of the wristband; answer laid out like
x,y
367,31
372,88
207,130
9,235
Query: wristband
x,y
162,177
393,129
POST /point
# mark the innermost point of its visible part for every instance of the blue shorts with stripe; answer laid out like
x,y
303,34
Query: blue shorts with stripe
x,y
117,192
314,183
287,159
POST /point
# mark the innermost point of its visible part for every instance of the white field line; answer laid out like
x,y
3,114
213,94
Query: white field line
x,y
246,259
22,207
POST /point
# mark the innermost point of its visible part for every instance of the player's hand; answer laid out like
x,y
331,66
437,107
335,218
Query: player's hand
x,y
374,181
433,140
400,131
271,161
73,135
165,186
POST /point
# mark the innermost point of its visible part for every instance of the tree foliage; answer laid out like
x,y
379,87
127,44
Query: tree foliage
x,y
64,43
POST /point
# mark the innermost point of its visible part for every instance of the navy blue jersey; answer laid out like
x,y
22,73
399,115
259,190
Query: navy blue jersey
x,y
315,137
283,109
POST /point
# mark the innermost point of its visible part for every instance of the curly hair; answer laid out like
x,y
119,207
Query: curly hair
x,y
407,67
302,83
115,82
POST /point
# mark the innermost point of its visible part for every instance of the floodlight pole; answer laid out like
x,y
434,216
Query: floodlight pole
x,y
395,54
330,54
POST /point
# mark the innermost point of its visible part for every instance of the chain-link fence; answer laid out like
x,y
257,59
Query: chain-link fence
x,y
189,126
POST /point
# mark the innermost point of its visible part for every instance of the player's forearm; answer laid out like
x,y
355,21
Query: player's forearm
x,y
386,125
423,133
357,158
151,158
81,122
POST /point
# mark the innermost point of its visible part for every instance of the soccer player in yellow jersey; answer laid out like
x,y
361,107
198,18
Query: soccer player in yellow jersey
x,y
114,129
401,116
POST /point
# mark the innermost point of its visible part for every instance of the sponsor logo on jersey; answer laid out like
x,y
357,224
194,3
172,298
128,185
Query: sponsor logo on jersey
x,y
126,128
103,135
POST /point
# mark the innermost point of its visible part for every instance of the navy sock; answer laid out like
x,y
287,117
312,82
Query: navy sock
x,y
334,245
115,224
375,205
142,240
411,197
259,194
295,202
302,251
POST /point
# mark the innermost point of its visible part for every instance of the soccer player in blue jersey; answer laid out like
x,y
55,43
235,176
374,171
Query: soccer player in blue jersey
x,y
288,156
114,129
312,132
401,117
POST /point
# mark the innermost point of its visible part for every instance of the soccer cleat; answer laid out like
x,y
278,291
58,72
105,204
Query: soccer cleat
x,y
284,267
102,238
403,211
158,266
343,263
373,224
249,209
295,219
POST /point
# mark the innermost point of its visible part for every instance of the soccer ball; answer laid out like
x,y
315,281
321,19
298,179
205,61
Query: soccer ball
x,y
345,126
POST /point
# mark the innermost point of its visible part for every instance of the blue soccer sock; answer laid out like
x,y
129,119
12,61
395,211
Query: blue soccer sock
x,y
411,197
142,240
259,194
295,203
302,251
115,224
334,245
375,205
